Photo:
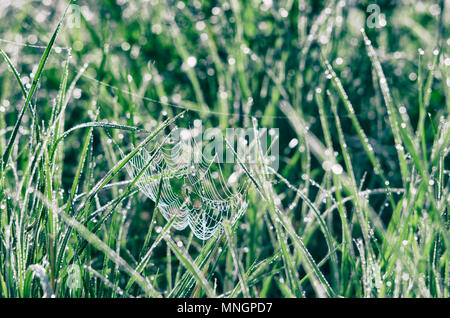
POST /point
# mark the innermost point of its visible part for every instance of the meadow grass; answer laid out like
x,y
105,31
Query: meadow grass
x,y
357,208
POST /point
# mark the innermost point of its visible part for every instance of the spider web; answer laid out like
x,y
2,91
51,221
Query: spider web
x,y
193,192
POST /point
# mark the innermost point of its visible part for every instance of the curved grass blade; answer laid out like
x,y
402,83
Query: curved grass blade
x,y
95,124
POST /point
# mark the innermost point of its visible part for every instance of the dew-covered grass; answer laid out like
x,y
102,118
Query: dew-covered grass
x,y
358,206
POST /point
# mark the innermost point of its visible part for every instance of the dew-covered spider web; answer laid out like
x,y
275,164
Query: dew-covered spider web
x,y
193,193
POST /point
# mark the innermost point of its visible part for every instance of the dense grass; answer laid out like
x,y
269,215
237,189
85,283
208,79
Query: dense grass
x,y
357,208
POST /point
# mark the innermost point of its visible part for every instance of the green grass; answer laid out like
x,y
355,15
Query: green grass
x,y
358,207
